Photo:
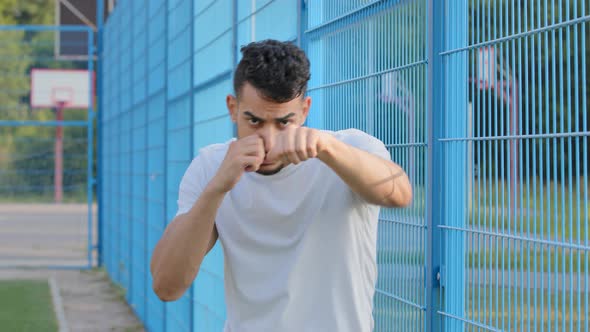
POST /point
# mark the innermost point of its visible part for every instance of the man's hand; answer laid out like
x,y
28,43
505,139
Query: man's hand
x,y
243,155
298,144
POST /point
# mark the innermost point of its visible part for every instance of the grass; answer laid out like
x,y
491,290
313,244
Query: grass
x,y
568,261
26,305
551,211
513,309
510,309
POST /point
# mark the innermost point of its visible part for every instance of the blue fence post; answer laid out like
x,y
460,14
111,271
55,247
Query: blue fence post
x,y
146,169
192,136
130,174
165,78
455,164
434,205
99,159
90,175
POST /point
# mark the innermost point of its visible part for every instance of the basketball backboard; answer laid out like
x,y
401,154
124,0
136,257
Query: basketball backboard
x,y
64,88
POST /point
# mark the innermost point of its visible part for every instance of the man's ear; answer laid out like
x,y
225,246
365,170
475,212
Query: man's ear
x,y
232,107
306,106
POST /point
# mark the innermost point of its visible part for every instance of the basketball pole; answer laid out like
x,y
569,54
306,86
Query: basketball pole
x,y
58,176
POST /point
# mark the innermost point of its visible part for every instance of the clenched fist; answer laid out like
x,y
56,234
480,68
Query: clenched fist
x,y
243,155
296,144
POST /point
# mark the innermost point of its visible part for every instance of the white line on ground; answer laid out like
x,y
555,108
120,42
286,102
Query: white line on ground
x,y
58,305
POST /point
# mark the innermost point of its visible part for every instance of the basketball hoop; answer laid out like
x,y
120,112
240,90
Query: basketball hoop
x,y
62,97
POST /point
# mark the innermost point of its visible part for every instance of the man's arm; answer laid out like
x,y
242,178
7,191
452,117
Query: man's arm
x,y
189,237
377,180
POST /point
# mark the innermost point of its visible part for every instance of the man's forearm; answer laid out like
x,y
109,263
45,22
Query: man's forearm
x,y
377,180
179,253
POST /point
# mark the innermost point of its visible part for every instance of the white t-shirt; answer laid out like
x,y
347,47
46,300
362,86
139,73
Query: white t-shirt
x,y
299,246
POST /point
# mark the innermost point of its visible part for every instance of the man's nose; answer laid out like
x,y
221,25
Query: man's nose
x,y
268,136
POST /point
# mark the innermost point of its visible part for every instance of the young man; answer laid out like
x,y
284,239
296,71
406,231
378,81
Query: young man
x,y
295,208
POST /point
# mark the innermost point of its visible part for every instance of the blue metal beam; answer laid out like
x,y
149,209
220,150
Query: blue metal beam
x,y
43,123
79,28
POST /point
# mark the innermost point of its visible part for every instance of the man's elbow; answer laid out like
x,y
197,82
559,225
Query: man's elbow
x,y
165,293
402,197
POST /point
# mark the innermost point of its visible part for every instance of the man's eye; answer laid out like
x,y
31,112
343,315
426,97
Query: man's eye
x,y
253,121
285,123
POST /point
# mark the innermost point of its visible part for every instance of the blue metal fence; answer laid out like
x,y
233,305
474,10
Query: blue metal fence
x,y
484,103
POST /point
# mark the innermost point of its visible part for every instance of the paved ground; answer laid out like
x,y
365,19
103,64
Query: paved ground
x,y
45,234
90,301
33,235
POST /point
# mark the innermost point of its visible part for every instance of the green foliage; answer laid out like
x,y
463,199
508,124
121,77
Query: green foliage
x,y
27,153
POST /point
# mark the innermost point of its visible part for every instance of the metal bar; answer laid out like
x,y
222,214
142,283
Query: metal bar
x,y
255,12
569,180
579,20
404,145
212,81
509,137
555,147
80,28
165,162
585,167
7,123
146,175
77,13
470,322
520,238
99,129
535,53
212,41
192,292
367,10
49,267
369,75
399,299
578,185
401,222
300,32
202,11
234,35
434,129
90,140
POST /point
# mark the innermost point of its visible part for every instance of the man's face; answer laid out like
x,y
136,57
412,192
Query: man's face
x,y
255,115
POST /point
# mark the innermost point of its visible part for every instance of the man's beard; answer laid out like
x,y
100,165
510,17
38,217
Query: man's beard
x,y
271,171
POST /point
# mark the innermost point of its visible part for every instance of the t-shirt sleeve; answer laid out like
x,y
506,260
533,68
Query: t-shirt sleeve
x,y
191,186
364,141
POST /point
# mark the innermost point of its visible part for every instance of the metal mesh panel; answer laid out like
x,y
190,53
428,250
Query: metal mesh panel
x,y
516,166
369,72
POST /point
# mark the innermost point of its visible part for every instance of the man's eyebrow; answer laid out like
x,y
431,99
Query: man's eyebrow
x,y
253,116
286,117
283,118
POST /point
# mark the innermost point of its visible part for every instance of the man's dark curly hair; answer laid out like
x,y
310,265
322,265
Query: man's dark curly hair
x,y
278,70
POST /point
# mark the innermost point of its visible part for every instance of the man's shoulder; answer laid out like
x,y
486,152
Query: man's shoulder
x,y
210,156
353,135
214,150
